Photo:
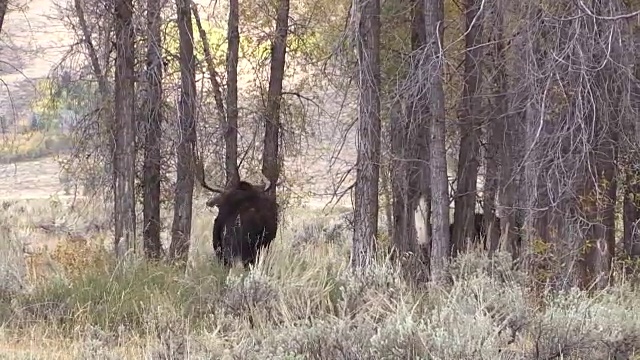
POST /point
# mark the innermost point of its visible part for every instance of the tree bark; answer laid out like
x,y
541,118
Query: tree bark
x,y
211,69
124,164
434,28
405,181
387,196
231,133
368,148
151,171
228,116
501,148
183,201
631,128
410,152
631,213
270,155
470,127
103,89
4,4
91,50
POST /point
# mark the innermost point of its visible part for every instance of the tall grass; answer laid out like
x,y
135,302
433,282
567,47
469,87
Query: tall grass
x,y
299,302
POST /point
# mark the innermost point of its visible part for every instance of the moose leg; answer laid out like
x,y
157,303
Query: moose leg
x,y
216,239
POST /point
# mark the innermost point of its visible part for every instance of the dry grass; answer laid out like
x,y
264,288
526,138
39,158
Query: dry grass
x,y
300,302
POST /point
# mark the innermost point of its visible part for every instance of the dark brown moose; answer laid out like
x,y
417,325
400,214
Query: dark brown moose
x,y
247,221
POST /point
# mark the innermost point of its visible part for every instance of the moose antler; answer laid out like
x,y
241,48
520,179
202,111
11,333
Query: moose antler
x,y
267,183
199,173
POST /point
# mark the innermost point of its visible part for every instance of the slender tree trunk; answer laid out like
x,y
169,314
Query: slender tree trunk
x,y
270,155
490,190
502,148
387,196
604,118
607,209
213,74
631,214
91,50
434,28
4,4
124,165
606,157
410,150
208,57
404,182
422,120
465,200
368,168
103,89
151,172
231,134
631,204
182,211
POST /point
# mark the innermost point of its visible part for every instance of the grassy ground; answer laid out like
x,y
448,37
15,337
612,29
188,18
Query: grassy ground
x,y
300,302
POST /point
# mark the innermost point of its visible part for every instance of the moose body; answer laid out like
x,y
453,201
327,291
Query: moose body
x,y
247,222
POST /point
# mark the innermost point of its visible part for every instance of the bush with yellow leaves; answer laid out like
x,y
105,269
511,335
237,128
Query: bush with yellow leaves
x,y
76,255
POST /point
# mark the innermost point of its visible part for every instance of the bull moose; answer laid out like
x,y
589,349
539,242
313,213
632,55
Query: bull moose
x,y
247,221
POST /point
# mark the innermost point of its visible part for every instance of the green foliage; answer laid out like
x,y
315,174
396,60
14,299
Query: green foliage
x,y
108,297
217,43
300,301
48,103
53,97
302,309
254,48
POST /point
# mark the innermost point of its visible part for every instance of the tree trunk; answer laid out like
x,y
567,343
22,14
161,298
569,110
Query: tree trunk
x,y
387,196
421,116
434,28
3,12
495,131
213,74
368,159
208,57
270,155
103,89
502,148
607,208
404,182
181,229
631,202
606,157
91,50
151,172
410,153
465,199
631,213
231,133
124,164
